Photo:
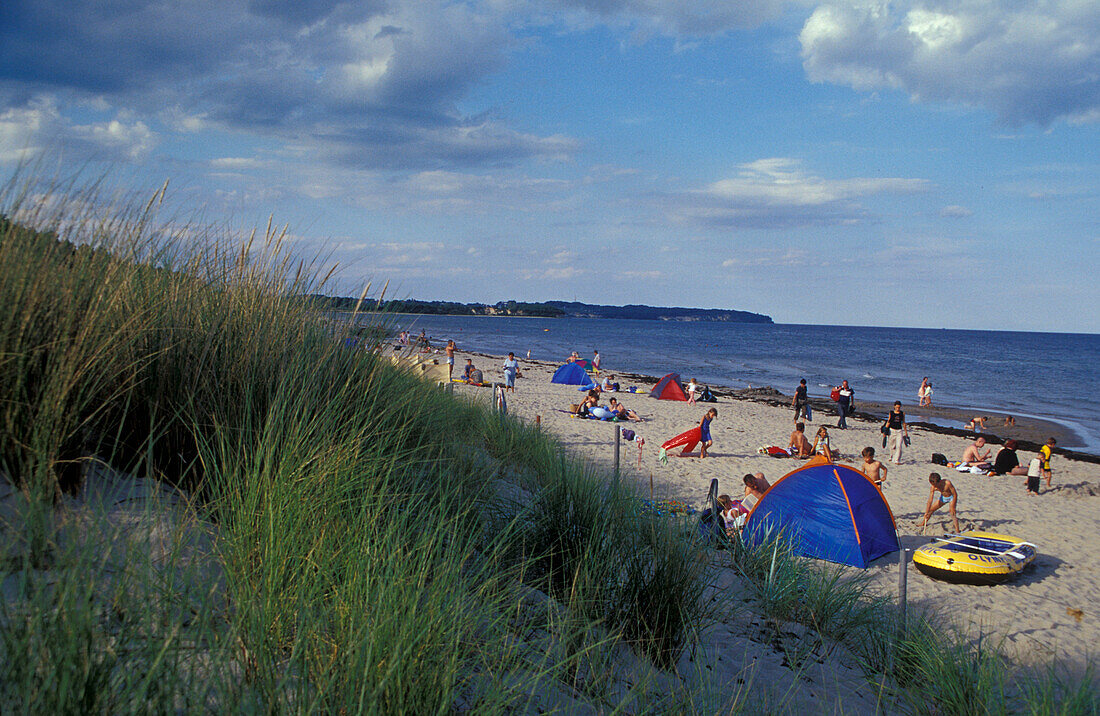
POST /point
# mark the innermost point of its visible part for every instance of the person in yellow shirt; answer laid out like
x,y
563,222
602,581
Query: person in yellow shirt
x,y
1046,452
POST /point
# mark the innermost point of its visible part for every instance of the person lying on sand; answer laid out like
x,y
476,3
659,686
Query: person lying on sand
x,y
798,444
872,468
948,495
973,454
622,411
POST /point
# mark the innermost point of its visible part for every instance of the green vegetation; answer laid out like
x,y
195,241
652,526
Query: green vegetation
x,y
347,538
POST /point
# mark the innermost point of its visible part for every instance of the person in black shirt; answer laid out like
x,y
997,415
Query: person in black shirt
x,y
1007,462
898,431
800,401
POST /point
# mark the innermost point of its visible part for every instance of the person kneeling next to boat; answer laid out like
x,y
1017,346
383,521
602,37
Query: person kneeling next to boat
x,y
948,495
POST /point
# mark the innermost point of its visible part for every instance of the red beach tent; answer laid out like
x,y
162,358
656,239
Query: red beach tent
x,y
668,388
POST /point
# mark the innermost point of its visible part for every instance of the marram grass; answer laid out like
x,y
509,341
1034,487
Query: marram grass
x,y
363,559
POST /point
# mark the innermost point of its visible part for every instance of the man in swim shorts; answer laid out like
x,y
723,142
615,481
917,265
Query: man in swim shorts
x,y
973,453
948,495
798,444
450,360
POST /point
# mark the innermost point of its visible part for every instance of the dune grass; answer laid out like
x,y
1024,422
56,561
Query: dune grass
x,y
378,545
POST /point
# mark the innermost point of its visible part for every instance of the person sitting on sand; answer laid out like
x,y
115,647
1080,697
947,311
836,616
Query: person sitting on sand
x,y
821,444
590,401
973,454
622,411
469,370
798,445
872,468
1007,462
705,440
977,423
762,482
948,495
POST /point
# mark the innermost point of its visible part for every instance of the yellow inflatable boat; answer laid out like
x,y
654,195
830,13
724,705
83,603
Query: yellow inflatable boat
x,y
974,557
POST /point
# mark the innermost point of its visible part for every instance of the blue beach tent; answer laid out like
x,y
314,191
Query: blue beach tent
x,y
571,374
830,512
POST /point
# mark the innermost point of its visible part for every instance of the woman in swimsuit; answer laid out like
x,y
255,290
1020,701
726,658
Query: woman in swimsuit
x,y
821,443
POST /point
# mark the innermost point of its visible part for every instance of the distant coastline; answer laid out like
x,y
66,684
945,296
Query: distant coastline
x,y
549,309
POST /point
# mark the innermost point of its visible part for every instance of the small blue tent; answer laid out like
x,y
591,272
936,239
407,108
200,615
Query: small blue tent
x,y
571,374
830,512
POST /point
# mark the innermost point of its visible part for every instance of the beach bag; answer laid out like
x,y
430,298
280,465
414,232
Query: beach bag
x,y
809,412
628,435
835,395
939,459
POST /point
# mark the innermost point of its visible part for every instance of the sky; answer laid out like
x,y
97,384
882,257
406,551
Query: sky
x,y
931,163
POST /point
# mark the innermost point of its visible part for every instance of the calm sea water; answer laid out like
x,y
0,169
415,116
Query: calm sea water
x,y
1048,375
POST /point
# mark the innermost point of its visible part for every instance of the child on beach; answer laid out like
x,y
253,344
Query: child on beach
x,y
705,440
872,468
1046,452
692,387
948,496
821,444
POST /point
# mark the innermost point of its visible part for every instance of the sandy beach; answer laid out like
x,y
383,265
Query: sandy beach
x,y
1049,610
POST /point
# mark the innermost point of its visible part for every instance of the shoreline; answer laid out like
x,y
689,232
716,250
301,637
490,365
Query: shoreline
x,y
1029,432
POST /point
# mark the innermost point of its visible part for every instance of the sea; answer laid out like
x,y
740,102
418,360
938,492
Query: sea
x,y
1053,376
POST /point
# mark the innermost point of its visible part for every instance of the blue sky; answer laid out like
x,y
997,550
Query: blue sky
x,y
911,163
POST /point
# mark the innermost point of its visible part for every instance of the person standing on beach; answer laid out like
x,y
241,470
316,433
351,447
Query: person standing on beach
x,y
596,361
801,401
1046,451
922,393
843,404
450,360
705,440
511,367
899,431
691,388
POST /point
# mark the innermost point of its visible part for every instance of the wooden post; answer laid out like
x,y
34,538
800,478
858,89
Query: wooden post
x,y
538,422
651,485
903,586
618,435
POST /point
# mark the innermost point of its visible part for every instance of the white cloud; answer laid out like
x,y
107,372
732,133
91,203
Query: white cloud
x,y
955,211
1028,62
38,125
777,192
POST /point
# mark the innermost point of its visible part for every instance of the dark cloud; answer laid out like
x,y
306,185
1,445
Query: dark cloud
x,y
370,84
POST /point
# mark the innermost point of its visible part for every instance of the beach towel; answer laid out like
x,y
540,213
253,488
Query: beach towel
x,y
773,451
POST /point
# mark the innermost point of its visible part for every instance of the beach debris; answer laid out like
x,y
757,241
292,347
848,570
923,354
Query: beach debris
x,y
1077,614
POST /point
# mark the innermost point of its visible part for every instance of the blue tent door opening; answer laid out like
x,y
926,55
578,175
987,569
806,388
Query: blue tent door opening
x,y
830,512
